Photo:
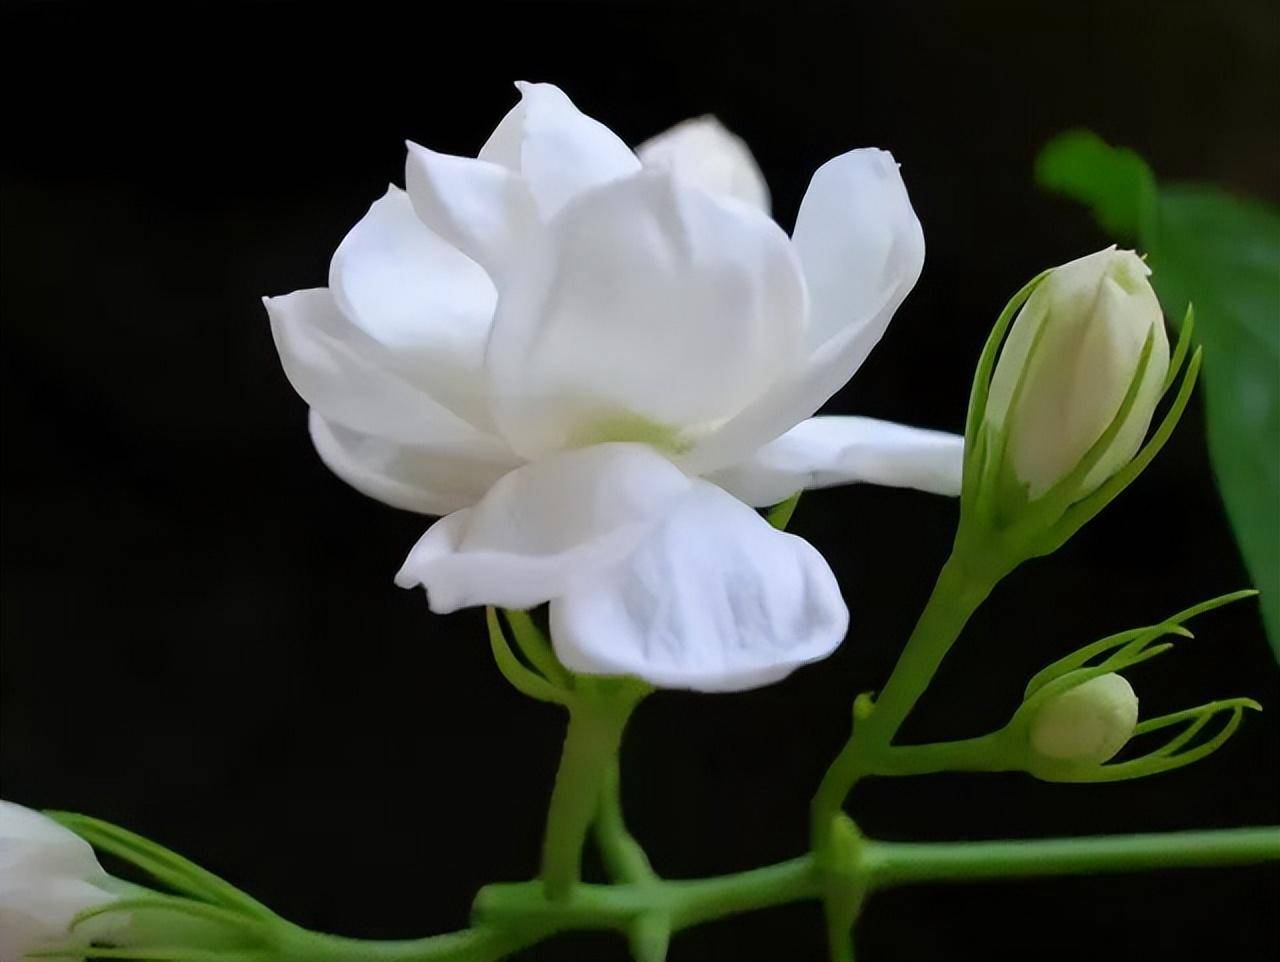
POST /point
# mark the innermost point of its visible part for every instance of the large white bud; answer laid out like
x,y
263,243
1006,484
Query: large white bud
x,y
1071,355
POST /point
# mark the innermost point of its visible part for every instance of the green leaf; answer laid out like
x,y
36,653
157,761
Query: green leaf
x,y
1222,253
1116,183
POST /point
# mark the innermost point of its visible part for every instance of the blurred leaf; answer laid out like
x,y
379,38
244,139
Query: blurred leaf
x,y
1116,183
1222,253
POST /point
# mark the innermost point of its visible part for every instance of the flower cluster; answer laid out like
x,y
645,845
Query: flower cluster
x,y
594,363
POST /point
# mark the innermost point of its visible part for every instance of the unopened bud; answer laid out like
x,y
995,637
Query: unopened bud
x,y
1087,724
1067,365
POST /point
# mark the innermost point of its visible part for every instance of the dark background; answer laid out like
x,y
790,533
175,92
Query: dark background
x,y
201,640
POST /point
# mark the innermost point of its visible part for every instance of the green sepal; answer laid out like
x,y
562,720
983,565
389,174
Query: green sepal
x,y
523,679
536,647
1165,758
1081,513
1169,626
780,514
251,925
167,867
1180,349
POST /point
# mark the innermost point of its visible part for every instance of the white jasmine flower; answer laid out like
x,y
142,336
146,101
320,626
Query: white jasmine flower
x,y
551,344
48,875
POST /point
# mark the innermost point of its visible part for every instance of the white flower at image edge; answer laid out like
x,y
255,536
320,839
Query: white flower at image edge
x,y
48,875
592,362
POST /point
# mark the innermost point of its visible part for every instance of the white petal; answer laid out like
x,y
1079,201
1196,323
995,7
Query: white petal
x,y
559,150
826,451
479,207
434,478
347,376
862,251
427,304
702,152
860,244
714,599
544,527
653,311
48,874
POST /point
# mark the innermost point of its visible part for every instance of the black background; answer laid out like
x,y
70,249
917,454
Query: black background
x,y
201,638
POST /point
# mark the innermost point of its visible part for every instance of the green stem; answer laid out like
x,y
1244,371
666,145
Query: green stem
x,y
468,945
590,752
517,905
961,587
511,916
905,863
624,859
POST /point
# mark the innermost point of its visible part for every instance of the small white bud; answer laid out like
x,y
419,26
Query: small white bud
x,y
1075,346
1087,724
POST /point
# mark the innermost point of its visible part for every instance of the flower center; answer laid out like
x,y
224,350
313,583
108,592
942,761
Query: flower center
x,y
627,426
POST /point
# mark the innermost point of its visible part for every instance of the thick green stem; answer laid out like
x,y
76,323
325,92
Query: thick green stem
x,y
905,863
523,904
590,753
510,916
958,592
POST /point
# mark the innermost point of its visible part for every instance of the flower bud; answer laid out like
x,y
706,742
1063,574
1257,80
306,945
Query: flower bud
x,y
1088,724
1067,365
48,875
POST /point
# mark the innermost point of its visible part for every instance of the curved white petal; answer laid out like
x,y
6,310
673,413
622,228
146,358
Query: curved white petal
x,y
48,874
347,376
862,250
483,209
714,599
544,527
704,153
860,244
826,451
653,312
559,150
434,478
429,305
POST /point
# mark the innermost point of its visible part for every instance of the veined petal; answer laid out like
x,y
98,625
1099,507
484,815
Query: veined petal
x,y
560,151
862,250
483,209
713,599
430,478
346,376
653,311
704,153
428,304
826,451
544,527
